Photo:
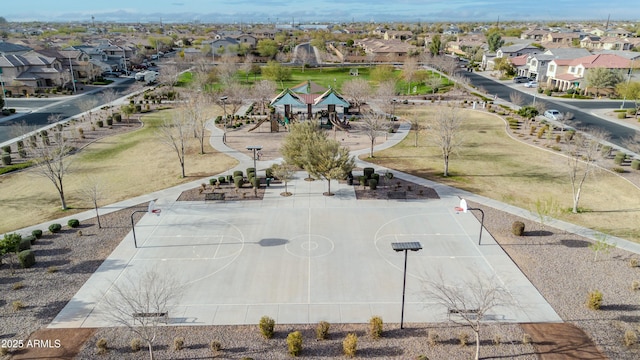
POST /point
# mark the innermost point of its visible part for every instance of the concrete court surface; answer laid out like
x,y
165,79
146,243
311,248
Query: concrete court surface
x,y
307,258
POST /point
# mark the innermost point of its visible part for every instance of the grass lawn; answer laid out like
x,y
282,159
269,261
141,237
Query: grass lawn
x,y
126,165
492,164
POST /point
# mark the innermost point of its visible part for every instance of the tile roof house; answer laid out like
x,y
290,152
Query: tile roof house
x,y
567,73
7,48
535,66
29,74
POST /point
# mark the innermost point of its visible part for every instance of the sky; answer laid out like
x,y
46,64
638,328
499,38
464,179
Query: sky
x,y
281,11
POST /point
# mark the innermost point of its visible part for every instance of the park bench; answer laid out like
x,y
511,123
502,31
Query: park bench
x,y
213,196
467,313
163,315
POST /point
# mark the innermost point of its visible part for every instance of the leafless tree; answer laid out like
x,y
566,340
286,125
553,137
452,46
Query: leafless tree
x,y
358,90
385,95
86,105
264,90
51,162
445,131
108,96
92,190
247,65
169,75
469,302
174,132
138,304
515,97
227,69
236,94
633,143
582,149
434,83
195,109
416,126
409,69
284,172
374,125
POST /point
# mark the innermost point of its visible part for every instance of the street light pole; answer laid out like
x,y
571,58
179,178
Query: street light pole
x,y
405,246
254,148
224,108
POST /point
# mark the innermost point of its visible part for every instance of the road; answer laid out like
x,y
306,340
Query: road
x,y
581,109
66,106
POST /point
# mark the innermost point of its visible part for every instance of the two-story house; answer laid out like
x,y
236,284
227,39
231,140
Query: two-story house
x,y
565,74
29,74
535,66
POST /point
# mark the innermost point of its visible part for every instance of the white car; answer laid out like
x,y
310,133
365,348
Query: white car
x,y
553,115
531,84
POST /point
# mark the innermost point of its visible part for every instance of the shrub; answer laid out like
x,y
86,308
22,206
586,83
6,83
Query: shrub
x,y
73,223
267,326
633,262
31,238
294,343
37,233
630,338
635,164
251,170
322,330
4,351
368,171
117,117
136,344
594,300
526,338
269,172
52,269
25,244
375,327
635,285
388,175
238,181
215,346
237,173
362,180
99,123
54,228
27,258
618,170
17,305
255,182
432,338
17,286
178,343
463,337
230,179
109,121
101,346
222,179
7,149
376,177
6,159
350,345
517,228
373,184
619,159
622,115
212,181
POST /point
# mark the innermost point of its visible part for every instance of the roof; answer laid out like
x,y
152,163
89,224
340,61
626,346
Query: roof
x,y
609,61
6,47
287,97
519,60
308,87
331,97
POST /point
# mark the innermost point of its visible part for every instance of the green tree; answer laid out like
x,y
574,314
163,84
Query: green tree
x,y
383,73
495,41
329,161
435,45
630,91
505,66
9,245
267,48
603,78
276,72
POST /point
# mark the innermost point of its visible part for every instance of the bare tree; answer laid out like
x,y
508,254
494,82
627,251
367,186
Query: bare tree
x,y
51,162
86,105
93,191
108,96
409,69
434,83
236,94
515,97
264,90
633,143
445,131
169,75
416,126
227,69
384,96
195,109
582,149
247,66
142,304
469,302
174,133
374,124
358,90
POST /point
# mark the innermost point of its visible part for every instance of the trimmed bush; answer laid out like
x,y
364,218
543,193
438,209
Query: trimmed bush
x,y
237,173
350,345
238,181
212,181
375,327
267,326
322,330
27,258
388,175
101,346
222,179
25,244
6,159
630,338
251,170
99,123
373,184
269,172
109,121
178,343
376,177
635,164
594,300
230,179
135,344
37,233
215,346
622,115
363,180
31,238
7,149
368,171
517,228
294,343
73,223
54,228
117,117
255,182
620,157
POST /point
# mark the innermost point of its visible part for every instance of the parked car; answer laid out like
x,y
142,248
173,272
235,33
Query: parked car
x,y
553,115
521,79
111,74
531,84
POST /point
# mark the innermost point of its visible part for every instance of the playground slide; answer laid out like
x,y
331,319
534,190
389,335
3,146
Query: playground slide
x,y
337,124
258,124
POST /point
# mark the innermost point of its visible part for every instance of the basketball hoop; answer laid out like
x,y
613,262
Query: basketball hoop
x,y
463,206
156,211
153,209
457,208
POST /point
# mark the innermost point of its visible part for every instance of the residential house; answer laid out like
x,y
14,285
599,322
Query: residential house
x,y
517,50
7,48
385,50
560,38
30,74
571,73
534,34
397,35
535,66
76,65
263,33
222,45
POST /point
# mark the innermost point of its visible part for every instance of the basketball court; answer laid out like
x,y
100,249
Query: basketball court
x,y
307,258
